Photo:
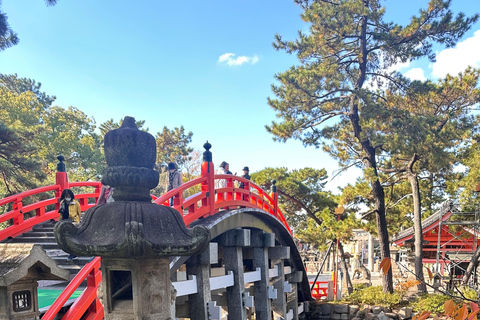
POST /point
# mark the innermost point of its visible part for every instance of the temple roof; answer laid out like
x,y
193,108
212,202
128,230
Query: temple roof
x,y
427,224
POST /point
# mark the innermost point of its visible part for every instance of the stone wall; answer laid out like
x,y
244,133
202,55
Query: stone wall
x,y
333,311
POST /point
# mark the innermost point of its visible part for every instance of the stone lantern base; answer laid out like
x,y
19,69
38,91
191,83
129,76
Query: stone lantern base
x,y
133,286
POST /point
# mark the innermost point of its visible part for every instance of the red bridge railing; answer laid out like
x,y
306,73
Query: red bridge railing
x,y
41,210
87,305
210,199
206,202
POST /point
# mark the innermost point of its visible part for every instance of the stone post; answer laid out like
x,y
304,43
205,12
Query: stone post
x,y
133,236
261,241
294,278
331,260
279,305
199,265
232,242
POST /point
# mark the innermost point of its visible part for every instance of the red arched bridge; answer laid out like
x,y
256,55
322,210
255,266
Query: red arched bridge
x,y
267,270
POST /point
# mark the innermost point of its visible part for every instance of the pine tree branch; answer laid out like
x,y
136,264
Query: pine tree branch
x,y
366,214
394,182
393,170
398,201
391,79
345,169
330,116
412,162
435,289
301,204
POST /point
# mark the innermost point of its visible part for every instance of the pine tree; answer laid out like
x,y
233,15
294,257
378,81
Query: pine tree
x,y
425,128
328,96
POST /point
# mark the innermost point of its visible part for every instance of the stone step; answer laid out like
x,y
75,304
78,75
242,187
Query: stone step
x,y
49,245
73,268
39,234
36,240
42,229
46,224
80,261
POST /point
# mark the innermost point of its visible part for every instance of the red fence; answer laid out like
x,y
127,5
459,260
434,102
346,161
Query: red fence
x,y
205,203
227,196
87,306
322,290
20,210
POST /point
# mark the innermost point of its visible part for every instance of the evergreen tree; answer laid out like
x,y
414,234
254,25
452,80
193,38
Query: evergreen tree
x,y
45,131
16,159
173,146
327,98
424,129
8,37
301,193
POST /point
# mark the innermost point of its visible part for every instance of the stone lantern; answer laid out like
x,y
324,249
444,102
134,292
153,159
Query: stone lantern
x,y
133,236
21,266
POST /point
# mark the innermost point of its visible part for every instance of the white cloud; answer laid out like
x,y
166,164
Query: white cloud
x,y
415,74
455,60
398,66
231,60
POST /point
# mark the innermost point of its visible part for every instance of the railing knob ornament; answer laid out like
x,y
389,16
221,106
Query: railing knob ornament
x,y
274,187
61,165
207,155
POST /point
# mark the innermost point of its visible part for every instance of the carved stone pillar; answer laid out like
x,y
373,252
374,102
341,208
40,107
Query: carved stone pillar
x,y
133,236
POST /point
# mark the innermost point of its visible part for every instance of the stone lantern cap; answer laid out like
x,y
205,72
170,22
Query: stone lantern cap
x,y
27,261
132,226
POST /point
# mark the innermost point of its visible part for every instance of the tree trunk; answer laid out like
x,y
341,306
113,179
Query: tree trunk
x,y
345,267
417,223
370,160
382,232
471,266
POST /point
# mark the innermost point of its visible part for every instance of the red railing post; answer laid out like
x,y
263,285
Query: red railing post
x,y
17,206
275,198
230,185
178,201
94,280
246,197
260,198
208,186
61,179
98,189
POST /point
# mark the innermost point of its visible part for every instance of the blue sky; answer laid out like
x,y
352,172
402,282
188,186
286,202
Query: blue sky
x,y
206,65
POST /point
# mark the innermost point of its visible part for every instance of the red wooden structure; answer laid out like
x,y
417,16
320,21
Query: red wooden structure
x,y
87,304
448,240
319,290
32,207
43,205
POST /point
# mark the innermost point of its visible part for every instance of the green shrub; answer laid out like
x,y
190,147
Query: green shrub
x,y
431,303
470,293
374,296
360,286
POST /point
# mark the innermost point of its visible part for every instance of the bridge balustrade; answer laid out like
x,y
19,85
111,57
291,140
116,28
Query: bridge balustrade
x,y
205,203
87,304
42,210
210,199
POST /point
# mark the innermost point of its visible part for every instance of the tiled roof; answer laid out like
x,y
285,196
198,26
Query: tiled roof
x,y
447,207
